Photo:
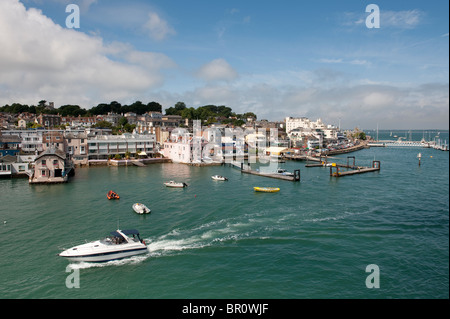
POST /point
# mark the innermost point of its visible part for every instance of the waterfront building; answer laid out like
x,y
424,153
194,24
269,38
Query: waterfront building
x,y
312,134
12,166
102,147
296,122
9,144
6,165
76,144
184,147
50,167
53,139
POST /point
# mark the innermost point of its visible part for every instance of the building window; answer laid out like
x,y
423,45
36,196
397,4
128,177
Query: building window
x,y
43,172
44,162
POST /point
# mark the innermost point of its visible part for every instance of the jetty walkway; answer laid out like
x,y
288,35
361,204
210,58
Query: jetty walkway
x,y
245,168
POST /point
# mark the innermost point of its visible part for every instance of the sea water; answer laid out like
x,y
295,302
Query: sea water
x,y
214,239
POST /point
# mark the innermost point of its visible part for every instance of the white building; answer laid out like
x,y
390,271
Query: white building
x,y
184,147
103,146
299,128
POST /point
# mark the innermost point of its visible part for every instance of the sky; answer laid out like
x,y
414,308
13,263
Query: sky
x,y
315,59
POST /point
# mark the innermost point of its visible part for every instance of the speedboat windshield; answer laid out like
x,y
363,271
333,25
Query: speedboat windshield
x,y
113,240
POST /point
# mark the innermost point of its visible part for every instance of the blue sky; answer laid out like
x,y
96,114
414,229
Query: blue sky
x,y
275,58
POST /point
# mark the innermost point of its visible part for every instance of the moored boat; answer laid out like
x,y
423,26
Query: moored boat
x,y
117,246
266,189
175,184
282,171
112,195
141,208
219,178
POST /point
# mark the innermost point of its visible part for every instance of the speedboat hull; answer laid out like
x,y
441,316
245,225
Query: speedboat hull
x,y
105,256
119,245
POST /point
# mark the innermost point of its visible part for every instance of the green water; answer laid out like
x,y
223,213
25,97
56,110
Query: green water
x,y
214,239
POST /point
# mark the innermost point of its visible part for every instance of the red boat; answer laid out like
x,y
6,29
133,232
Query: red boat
x,y
112,195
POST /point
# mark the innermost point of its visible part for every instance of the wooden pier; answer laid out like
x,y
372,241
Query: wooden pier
x,y
352,168
376,166
295,178
247,170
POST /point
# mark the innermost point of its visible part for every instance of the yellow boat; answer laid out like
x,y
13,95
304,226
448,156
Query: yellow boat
x,y
266,189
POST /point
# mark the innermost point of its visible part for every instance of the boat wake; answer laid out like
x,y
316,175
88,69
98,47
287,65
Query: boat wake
x,y
341,215
214,233
219,233
178,240
126,261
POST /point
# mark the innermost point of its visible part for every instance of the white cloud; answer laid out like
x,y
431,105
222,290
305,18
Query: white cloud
x,y
407,19
217,70
401,19
359,62
342,61
157,27
330,61
42,60
83,4
354,102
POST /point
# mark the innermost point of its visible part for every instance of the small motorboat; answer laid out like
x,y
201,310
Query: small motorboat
x,y
121,244
219,178
141,208
266,189
175,184
112,195
284,172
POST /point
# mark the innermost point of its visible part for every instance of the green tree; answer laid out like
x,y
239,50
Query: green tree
x,y
71,110
154,107
103,124
362,136
123,121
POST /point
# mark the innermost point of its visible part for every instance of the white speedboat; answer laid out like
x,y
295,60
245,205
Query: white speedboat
x,y
219,178
121,244
141,208
175,184
284,172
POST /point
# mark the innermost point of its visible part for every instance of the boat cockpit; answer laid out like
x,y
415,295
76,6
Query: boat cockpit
x,y
122,237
